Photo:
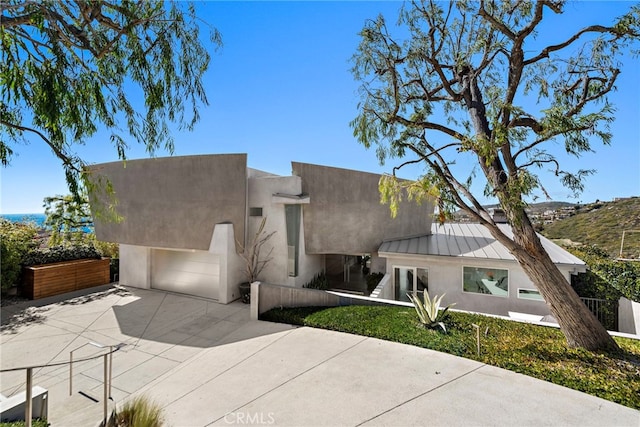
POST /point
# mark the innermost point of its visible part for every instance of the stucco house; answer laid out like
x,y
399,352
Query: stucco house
x,y
471,267
185,219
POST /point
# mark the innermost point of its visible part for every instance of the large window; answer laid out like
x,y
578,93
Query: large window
x,y
409,279
489,281
532,294
292,216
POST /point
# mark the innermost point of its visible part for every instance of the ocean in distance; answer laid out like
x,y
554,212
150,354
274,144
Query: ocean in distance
x,y
37,218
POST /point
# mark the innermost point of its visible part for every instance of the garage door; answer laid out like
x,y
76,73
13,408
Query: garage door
x,y
193,273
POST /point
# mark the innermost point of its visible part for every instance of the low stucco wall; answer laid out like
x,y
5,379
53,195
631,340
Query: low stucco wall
x,y
384,290
629,316
264,297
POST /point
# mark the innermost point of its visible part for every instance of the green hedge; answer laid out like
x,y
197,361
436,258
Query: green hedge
x,y
612,277
34,423
59,254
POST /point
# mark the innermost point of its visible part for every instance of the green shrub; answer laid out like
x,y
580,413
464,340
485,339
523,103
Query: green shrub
x,y
16,240
428,310
139,412
34,423
105,249
59,254
608,278
292,316
319,281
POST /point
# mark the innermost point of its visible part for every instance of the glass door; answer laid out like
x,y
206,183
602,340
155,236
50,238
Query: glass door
x,y
422,280
409,279
403,282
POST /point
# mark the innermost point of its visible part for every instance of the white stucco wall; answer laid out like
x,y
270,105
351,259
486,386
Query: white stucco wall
x,y
629,316
308,265
446,275
262,187
223,244
378,264
135,266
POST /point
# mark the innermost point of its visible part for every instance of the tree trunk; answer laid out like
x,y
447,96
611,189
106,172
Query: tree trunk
x,y
580,327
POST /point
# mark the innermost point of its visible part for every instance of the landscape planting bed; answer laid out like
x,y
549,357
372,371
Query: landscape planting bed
x,y
61,277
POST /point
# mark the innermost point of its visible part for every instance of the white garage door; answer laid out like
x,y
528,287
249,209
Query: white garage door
x,y
193,273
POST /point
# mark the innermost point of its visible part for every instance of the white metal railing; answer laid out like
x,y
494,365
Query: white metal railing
x,y
108,357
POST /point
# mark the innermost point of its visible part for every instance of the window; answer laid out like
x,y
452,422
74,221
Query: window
x,y
490,281
255,211
292,217
531,294
409,279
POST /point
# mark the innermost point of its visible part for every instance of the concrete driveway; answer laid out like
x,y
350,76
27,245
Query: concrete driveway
x,y
208,364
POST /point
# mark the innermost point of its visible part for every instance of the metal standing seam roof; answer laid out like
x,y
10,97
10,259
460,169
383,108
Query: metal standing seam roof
x,y
469,241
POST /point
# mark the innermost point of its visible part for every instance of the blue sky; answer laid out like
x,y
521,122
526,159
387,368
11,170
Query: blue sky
x,y
281,89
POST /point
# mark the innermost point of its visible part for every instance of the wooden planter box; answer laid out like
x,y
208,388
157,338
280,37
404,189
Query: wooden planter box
x,y
46,280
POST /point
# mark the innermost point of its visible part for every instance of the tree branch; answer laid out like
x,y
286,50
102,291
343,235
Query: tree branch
x,y
591,29
528,122
585,97
68,161
500,26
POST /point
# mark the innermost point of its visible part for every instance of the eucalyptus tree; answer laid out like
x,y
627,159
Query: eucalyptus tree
x,y
469,79
69,68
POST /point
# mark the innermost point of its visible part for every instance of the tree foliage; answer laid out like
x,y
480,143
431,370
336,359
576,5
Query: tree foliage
x,y
69,68
461,85
466,61
68,219
70,224
616,278
16,240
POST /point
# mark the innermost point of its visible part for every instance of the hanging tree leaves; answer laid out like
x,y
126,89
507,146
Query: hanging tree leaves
x,y
70,67
461,84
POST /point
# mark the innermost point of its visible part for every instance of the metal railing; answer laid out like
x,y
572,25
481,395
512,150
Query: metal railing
x,y
108,358
606,311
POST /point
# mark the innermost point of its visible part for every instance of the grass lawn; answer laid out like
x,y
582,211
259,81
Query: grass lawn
x,y
538,351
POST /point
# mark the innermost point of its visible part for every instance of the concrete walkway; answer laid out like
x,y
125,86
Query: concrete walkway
x,y
208,364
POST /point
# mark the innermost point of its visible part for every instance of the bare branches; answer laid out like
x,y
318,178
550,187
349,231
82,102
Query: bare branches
x,y
255,260
553,48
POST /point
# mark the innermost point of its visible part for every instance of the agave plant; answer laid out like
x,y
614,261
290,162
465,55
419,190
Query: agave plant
x,y
429,311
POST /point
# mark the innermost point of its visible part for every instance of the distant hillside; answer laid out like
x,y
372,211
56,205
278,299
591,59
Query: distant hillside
x,y
602,224
544,206
533,208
